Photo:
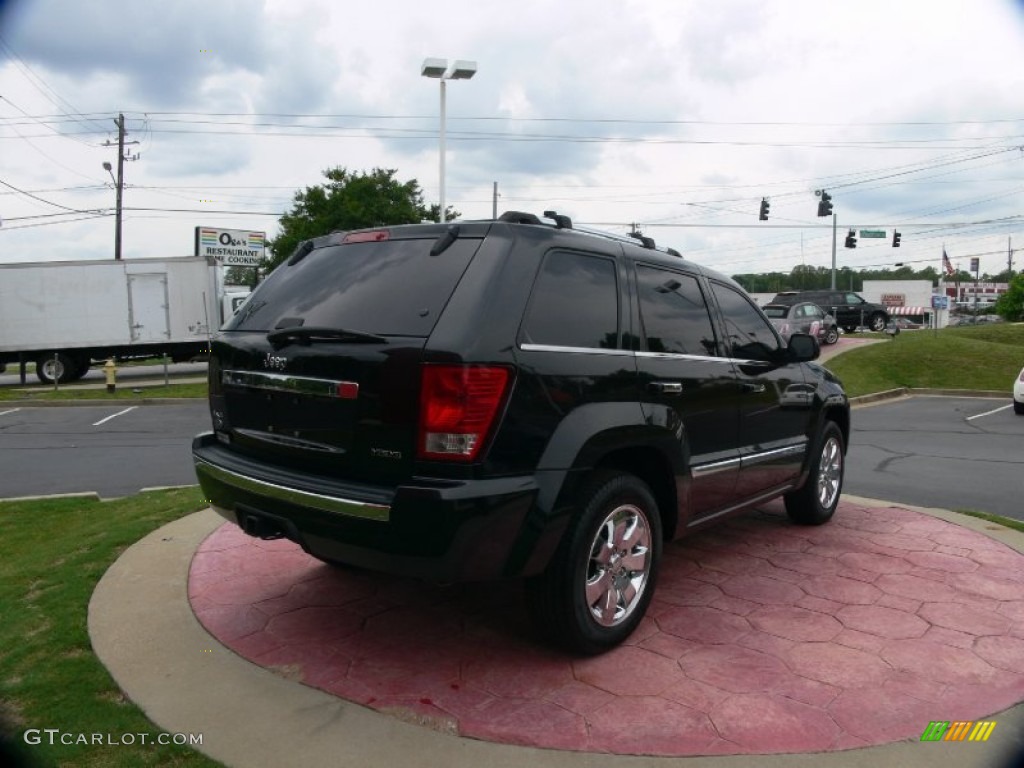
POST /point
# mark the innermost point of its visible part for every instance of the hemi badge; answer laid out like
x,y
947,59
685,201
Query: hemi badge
x,y
348,390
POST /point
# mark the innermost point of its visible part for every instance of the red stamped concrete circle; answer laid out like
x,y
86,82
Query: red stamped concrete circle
x,y
763,637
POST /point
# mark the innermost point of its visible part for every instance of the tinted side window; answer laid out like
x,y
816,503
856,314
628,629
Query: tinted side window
x,y
575,303
750,336
674,313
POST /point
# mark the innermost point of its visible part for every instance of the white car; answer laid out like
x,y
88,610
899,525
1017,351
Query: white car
x,y
1018,393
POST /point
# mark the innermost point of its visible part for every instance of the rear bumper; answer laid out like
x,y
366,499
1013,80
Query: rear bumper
x,y
445,531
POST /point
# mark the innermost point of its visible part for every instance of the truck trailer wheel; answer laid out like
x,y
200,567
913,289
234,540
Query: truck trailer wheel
x,y
59,367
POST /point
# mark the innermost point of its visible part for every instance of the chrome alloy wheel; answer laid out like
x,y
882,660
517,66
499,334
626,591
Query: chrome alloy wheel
x,y
830,473
619,565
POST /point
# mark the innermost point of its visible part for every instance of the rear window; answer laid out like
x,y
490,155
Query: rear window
x,y
392,288
776,311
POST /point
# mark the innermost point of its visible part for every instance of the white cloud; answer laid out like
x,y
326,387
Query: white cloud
x,y
684,113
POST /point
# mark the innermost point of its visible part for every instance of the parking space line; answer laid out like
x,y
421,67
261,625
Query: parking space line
x,y
989,413
9,410
115,415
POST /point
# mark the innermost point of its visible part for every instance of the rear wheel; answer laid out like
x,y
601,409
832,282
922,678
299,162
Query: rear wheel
x,y
831,335
877,322
599,583
849,328
57,367
816,501
1018,407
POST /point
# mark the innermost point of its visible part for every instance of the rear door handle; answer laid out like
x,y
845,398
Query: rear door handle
x,y
667,387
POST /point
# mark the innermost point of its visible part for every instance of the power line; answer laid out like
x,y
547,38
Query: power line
x,y
48,202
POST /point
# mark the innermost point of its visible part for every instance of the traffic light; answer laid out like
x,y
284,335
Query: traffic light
x,y
895,239
851,239
825,205
764,209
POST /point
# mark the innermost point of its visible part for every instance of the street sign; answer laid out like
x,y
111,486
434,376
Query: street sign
x,y
872,233
974,264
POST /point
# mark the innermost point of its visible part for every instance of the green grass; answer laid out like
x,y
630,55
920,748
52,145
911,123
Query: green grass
x,y
55,551
123,392
1006,522
973,357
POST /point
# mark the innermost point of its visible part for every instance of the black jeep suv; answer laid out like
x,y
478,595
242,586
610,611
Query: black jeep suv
x,y
850,310
511,398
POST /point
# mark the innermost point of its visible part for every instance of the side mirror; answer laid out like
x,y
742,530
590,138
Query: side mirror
x,y
803,347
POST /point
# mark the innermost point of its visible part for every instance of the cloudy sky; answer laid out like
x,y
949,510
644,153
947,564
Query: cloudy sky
x,y
675,115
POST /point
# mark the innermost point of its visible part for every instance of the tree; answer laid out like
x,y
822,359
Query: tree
x,y
350,201
1010,305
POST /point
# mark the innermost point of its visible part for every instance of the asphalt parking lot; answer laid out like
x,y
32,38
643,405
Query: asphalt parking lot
x,y
951,452
114,450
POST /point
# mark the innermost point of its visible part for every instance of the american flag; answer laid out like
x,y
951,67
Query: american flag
x,y
945,263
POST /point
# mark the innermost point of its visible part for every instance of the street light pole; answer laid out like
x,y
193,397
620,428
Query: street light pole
x,y
441,137
439,69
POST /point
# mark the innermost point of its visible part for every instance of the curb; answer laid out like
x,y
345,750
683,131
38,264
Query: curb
x,y
82,402
892,394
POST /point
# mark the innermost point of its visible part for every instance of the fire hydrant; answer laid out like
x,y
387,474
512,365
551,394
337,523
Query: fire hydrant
x,y
110,371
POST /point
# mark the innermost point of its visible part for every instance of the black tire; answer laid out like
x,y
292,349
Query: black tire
x,y
816,501
59,367
849,328
617,508
877,322
832,335
1018,407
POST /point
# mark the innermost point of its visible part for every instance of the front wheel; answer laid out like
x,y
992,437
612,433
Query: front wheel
x,y
599,583
816,501
877,322
1018,407
832,335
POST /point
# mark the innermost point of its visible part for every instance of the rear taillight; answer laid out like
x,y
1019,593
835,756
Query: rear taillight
x,y
458,406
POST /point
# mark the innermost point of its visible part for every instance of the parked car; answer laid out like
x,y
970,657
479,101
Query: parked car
x,y
906,324
803,317
850,310
1018,393
510,398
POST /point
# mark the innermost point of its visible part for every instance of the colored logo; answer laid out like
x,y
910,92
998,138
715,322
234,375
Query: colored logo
x,y
960,730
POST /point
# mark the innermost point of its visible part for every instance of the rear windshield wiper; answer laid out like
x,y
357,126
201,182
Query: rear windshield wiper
x,y
311,333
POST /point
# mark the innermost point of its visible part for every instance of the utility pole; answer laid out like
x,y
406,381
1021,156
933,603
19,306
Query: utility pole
x,y
1009,256
120,183
833,287
494,202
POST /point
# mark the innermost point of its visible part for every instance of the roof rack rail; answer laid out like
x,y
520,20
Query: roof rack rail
x,y
648,242
561,221
564,222
519,217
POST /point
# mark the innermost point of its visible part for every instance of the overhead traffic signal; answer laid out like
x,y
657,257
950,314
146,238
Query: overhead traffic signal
x,y
764,209
825,204
851,239
896,239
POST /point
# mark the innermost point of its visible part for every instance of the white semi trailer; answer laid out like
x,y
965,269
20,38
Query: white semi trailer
x,y
63,316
